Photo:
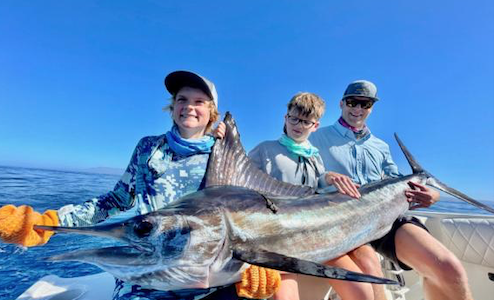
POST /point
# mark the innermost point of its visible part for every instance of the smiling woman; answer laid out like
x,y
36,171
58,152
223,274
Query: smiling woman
x,y
194,107
192,111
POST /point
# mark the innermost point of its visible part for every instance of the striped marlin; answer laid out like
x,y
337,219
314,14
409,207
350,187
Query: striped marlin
x,y
243,216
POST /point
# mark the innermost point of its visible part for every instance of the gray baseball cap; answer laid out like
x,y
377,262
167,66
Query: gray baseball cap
x,y
361,88
178,79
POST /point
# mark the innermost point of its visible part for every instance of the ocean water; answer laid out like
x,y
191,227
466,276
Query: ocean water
x,y
48,189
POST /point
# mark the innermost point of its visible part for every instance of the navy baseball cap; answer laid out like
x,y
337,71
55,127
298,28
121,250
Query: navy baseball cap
x,y
361,88
178,79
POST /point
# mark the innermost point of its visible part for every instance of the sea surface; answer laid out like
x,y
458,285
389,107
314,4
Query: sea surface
x,y
48,189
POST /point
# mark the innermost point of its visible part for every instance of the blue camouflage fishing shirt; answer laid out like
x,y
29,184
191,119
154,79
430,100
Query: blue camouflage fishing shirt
x,y
365,160
154,178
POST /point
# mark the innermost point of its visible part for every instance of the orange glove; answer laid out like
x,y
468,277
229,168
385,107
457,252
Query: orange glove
x,y
16,225
258,283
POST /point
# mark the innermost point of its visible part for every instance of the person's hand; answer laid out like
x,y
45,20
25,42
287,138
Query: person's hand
x,y
219,131
258,283
421,196
343,184
16,225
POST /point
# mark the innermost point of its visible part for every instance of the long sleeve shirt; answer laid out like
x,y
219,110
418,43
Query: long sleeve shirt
x,y
275,159
364,160
154,178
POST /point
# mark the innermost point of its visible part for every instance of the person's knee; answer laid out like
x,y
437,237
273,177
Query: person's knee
x,y
368,262
372,265
450,270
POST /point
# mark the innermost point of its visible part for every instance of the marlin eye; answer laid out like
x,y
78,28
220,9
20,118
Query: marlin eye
x,y
143,229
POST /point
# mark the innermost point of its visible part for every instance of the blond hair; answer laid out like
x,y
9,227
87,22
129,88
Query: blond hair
x,y
307,105
214,114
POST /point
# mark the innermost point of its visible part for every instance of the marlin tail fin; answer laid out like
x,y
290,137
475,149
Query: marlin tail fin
x,y
432,181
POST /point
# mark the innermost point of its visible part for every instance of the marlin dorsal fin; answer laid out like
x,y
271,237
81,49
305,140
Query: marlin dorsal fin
x,y
229,165
416,168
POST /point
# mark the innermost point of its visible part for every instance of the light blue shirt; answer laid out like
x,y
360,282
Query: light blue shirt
x,y
364,160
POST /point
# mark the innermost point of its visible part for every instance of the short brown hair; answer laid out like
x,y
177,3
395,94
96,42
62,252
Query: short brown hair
x,y
214,114
307,105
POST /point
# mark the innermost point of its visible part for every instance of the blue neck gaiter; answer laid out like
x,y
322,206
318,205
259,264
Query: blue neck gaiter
x,y
187,147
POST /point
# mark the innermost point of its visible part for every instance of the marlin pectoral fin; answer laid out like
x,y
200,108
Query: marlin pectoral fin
x,y
294,265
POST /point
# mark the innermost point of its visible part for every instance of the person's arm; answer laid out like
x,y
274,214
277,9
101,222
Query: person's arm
x,y
343,184
219,131
102,207
17,223
419,196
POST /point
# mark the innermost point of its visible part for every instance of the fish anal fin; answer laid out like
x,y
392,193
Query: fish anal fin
x,y
285,263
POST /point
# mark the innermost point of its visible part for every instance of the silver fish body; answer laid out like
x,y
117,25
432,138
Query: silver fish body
x,y
191,244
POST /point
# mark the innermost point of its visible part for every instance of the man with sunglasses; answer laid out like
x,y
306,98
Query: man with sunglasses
x,y
348,147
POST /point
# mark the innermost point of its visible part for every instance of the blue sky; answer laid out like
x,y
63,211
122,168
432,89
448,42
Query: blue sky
x,y
82,81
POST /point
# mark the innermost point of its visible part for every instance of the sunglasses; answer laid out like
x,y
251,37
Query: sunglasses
x,y
365,104
294,121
